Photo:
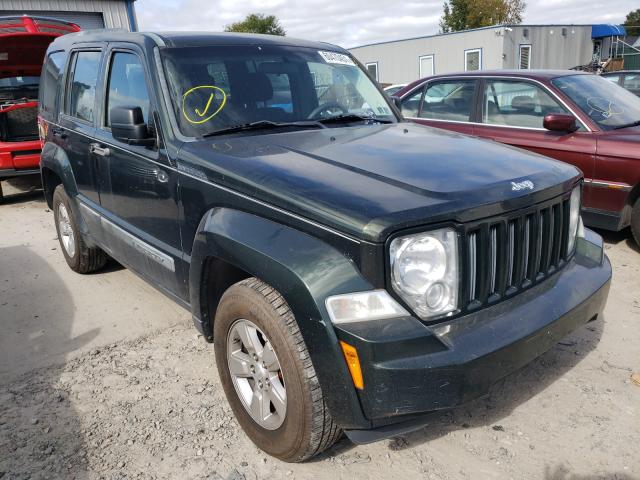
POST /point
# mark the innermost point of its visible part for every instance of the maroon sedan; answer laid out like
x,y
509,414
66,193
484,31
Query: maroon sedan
x,y
578,118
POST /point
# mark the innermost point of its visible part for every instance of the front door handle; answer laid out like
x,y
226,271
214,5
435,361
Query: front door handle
x,y
98,150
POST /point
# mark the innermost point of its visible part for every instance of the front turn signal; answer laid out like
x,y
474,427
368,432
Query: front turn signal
x,y
353,362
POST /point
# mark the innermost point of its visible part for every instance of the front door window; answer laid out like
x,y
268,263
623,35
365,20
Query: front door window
x,y
517,104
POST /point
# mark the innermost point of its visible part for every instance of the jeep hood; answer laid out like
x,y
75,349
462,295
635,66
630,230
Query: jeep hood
x,y
370,180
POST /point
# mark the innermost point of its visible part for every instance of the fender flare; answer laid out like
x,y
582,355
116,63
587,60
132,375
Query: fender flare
x,y
55,159
305,271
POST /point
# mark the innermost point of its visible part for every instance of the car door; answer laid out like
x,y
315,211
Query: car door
x,y
512,112
444,103
138,184
77,121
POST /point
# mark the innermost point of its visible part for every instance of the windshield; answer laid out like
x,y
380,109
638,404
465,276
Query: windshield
x,y
215,88
607,104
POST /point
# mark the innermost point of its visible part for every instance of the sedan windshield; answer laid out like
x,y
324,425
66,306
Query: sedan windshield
x,y
609,105
220,88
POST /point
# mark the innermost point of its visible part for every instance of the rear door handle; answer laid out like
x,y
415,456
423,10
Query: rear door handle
x,y
98,150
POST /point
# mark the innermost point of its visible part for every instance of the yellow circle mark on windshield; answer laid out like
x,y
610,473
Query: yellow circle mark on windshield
x,y
206,110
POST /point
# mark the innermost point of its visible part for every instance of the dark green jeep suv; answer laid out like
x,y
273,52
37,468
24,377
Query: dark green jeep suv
x,y
353,270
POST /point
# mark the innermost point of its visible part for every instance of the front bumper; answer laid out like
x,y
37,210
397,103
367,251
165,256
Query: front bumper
x,y
410,368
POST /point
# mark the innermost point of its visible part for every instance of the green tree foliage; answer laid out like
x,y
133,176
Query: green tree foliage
x,y
257,23
464,14
632,23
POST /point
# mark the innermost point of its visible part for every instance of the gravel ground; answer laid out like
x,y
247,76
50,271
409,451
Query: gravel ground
x,y
151,406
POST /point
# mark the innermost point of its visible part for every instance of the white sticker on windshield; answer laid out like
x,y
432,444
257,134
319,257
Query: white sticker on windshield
x,y
334,57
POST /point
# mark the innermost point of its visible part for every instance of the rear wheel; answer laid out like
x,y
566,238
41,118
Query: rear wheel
x,y
635,222
79,256
267,374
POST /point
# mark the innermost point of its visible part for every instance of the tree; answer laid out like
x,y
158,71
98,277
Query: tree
x,y
464,14
257,23
632,23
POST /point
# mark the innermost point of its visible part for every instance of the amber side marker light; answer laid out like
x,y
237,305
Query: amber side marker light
x,y
353,362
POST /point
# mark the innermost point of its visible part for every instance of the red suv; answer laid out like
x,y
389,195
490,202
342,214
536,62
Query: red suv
x,y
579,118
23,42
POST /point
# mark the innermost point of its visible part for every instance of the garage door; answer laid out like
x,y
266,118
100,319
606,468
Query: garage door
x,y
86,20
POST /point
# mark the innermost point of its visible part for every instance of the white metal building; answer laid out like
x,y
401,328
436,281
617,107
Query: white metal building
x,y
88,14
489,48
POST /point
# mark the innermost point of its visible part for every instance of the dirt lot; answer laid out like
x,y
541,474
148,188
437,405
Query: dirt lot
x,y
103,377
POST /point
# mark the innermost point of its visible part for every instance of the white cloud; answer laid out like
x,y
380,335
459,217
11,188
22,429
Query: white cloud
x,y
354,22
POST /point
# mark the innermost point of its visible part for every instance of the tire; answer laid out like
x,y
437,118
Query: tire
x,y
306,428
1,194
635,222
79,256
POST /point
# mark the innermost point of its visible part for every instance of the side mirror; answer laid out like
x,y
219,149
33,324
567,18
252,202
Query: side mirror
x,y
127,125
560,122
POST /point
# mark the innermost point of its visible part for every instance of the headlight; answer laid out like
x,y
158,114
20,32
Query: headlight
x,y
574,218
424,271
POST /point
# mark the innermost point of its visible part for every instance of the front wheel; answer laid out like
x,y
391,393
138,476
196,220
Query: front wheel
x,y
635,222
267,374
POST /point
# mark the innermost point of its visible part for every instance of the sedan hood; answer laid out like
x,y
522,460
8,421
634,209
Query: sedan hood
x,y
370,180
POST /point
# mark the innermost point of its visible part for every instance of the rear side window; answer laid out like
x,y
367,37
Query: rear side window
x,y
451,100
82,93
51,80
127,85
411,104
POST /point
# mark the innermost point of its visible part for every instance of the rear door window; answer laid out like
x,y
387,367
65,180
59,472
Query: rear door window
x,y
411,104
127,85
82,94
517,104
451,100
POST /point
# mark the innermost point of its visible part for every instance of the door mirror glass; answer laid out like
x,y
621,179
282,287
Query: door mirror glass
x,y
557,122
127,125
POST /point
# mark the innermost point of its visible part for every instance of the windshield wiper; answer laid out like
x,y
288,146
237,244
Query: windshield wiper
x,y
264,125
352,117
627,125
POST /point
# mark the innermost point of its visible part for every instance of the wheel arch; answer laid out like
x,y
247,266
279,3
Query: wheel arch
x,y
55,170
303,269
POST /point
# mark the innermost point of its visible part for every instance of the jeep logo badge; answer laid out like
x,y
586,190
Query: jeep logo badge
x,y
526,185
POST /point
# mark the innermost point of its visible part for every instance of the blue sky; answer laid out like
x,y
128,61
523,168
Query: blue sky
x,y
355,22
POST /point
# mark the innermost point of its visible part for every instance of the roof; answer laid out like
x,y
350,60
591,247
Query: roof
x,y
533,74
607,30
190,39
492,27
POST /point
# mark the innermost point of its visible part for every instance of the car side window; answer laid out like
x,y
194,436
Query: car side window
x,y
50,79
410,106
632,82
517,104
127,86
449,100
612,78
82,93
